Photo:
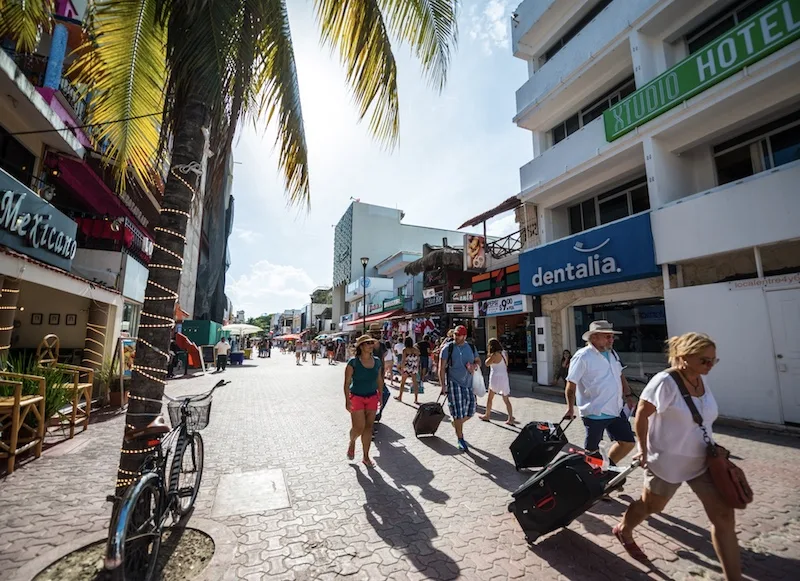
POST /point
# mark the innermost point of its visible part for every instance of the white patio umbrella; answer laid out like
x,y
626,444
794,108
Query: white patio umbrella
x,y
242,329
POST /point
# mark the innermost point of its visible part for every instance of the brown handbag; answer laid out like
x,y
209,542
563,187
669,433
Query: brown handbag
x,y
728,478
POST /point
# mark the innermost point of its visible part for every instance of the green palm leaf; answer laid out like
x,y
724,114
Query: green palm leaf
x,y
124,64
275,81
430,28
357,29
25,20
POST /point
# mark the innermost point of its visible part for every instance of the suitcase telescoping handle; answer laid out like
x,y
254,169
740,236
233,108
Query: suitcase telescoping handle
x,y
564,429
622,475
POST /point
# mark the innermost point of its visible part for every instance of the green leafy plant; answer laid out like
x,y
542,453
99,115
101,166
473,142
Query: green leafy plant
x,y
55,397
107,378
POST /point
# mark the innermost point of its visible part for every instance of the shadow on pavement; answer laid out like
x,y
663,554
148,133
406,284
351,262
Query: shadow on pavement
x,y
403,467
500,471
402,523
697,540
562,548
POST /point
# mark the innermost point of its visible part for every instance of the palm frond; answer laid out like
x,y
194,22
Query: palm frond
x,y
124,64
24,21
357,29
275,81
430,27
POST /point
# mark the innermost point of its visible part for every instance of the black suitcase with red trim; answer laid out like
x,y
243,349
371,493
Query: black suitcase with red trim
x,y
537,444
558,494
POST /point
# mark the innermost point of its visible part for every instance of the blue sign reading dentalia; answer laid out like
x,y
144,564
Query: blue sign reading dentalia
x,y
617,252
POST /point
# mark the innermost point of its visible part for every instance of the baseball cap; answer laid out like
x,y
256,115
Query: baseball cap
x,y
460,330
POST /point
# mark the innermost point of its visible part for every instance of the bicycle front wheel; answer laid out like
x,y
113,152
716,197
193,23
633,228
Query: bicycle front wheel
x,y
132,550
187,471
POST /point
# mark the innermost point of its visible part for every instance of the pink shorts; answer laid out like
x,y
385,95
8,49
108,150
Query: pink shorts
x,y
368,403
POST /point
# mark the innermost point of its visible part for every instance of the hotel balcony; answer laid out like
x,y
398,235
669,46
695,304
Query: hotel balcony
x,y
598,56
756,211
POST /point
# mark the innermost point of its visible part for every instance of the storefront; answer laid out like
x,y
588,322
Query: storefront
x,y
604,273
39,295
508,320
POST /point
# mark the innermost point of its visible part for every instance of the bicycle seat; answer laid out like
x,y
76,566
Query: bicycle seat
x,y
158,427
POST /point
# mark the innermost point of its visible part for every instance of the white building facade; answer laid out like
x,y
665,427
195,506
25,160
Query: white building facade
x,y
373,232
666,157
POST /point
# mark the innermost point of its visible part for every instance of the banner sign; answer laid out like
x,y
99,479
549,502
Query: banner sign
x,y
394,303
474,252
766,31
30,225
428,293
436,299
506,306
781,280
461,296
373,308
497,283
617,252
460,308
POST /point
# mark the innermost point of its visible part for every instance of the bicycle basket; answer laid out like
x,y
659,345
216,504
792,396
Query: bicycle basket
x,y
198,413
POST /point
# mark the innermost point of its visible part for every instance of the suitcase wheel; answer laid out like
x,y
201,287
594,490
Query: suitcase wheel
x,y
511,507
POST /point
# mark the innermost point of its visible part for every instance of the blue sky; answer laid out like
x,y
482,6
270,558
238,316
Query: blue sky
x,y
459,155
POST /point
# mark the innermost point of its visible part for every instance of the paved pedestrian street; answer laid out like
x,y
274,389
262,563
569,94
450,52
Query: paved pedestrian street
x,y
427,512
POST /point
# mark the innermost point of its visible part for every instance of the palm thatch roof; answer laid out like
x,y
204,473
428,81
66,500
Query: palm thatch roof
x,y
433,258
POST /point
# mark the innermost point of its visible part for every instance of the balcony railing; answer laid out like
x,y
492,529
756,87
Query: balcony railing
x,y
118,235
514,242
72,95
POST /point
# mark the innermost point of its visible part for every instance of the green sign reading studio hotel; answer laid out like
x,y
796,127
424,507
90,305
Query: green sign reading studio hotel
x,y
760,35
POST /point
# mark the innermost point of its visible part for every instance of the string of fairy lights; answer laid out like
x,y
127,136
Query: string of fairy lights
x,y
156,374
10,291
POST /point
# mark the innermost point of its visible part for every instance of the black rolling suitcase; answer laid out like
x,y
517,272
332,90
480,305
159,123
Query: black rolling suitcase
x,y
561,492
538,443
428,418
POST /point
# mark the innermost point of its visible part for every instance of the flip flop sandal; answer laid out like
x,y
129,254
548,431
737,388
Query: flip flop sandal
x,y
630,546
368,463
351,451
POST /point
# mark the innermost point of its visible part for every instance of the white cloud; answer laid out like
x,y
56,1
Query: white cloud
x,y
248,236
502,226
490,25
270,287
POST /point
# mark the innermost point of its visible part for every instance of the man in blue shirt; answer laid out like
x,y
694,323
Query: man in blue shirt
x,y
455,377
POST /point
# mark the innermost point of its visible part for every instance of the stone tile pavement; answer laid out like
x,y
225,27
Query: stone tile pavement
x,y
427,512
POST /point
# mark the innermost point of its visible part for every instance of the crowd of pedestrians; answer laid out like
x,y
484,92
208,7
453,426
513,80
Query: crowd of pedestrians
x,y
671,446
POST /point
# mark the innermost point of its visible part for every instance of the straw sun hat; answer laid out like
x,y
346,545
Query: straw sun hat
x,y
364,339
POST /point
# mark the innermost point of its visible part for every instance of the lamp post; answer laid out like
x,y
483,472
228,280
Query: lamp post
x,y
364,262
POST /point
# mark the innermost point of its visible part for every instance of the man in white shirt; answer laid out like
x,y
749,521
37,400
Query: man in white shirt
x,y
221,350
595,372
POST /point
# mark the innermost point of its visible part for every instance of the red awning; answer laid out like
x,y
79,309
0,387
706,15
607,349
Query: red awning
x,y
378,317
81,179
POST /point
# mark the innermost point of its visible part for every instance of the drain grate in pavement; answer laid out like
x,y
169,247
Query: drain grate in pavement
x,y
250,492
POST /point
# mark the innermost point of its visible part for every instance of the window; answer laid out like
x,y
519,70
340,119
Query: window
x,y
770,146
15,158
573,32
722,22
592,111
626,200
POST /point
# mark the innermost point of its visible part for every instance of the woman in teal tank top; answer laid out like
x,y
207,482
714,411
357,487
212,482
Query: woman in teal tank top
x,y
363,381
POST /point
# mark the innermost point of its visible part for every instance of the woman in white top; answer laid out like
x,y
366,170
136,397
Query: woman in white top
x,y
497,361
672,449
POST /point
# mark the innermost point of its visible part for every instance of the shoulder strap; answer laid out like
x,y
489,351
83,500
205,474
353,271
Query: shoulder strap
x,y
687,397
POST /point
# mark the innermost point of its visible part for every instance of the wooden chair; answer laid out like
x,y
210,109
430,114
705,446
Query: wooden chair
x,y
17,436
47,355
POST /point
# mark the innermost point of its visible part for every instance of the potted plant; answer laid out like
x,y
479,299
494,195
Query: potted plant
x,y
55,397
107,383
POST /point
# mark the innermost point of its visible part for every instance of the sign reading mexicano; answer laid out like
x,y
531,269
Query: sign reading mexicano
x,y
766,31
36,228
28,224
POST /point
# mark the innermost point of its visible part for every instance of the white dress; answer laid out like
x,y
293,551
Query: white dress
x,y
498,377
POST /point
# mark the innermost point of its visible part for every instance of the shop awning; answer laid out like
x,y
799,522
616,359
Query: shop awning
x,y
510,204
81,179
378,317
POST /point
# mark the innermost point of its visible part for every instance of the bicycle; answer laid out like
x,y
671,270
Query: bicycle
x,y
138,522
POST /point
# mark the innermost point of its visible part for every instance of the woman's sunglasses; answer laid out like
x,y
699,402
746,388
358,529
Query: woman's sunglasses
x,y
708,361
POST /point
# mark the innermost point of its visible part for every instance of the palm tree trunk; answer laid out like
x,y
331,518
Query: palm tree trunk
x,y
147,387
